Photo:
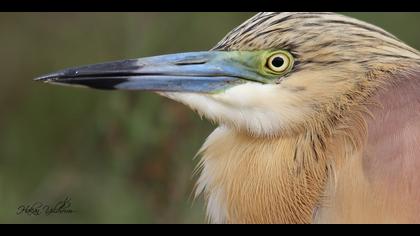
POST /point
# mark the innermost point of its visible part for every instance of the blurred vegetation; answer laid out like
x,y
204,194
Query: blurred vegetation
x,y
122,157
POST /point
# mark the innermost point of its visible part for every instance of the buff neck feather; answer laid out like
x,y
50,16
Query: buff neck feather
x,y
277,180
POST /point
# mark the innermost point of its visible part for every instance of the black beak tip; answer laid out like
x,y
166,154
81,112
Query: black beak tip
x,y
48,78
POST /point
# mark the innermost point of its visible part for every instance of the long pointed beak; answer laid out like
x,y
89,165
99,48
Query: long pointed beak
x,y
202,72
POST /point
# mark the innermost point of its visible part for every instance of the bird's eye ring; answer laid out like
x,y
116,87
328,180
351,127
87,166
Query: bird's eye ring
x,y
279,62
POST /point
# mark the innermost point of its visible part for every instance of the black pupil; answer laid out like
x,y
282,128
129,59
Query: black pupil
x,y
277,62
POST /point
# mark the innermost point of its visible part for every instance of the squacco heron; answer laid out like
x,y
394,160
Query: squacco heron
x,y
318,113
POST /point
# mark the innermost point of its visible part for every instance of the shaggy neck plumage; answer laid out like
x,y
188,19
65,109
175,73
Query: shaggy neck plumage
x,y
268,180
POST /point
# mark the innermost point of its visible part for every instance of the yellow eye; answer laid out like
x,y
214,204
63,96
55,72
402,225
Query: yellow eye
x,y
279,62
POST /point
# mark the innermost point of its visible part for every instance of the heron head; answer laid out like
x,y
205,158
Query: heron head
x,y
275,73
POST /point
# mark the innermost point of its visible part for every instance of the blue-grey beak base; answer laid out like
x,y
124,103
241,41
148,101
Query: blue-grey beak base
x,y
199,72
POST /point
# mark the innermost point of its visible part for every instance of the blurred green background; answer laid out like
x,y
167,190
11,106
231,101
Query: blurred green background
x,y
122,157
